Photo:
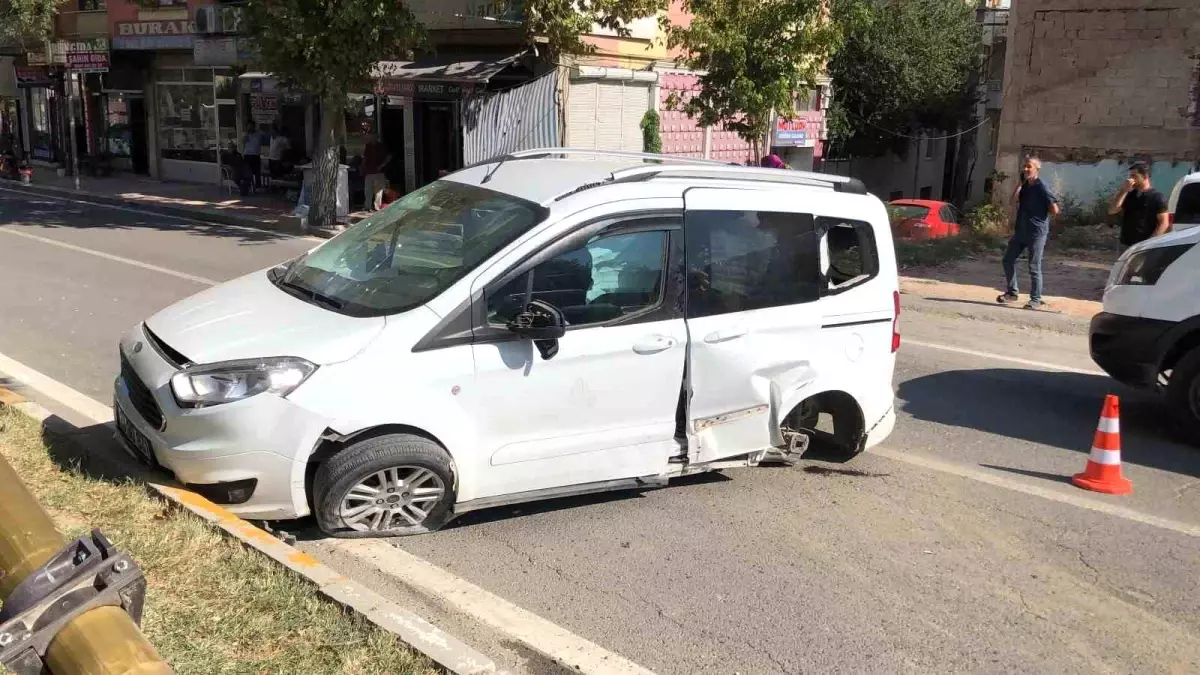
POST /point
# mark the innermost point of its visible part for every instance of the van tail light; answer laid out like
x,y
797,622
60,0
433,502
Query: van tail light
x,y
896,323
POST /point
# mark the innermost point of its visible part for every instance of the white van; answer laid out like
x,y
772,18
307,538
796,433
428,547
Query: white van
x,y
550,323
1148,335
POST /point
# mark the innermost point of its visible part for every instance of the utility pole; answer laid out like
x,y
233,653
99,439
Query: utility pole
x,y
103,640
71,75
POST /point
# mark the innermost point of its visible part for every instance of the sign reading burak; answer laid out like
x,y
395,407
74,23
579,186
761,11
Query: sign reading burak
x,y
162,34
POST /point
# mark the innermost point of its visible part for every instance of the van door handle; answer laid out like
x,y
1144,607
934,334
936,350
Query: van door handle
x,y
724,335
653,344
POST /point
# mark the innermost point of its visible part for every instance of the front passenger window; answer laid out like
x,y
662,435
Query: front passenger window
x,y
610,277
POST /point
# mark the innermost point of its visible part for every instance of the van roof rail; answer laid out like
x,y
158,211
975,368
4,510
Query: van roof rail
x,y
684,167
843,184
619,154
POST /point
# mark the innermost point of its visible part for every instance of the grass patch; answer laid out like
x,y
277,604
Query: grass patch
x,y
212,606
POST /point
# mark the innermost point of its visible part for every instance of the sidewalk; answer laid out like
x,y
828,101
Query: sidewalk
x,y
203,202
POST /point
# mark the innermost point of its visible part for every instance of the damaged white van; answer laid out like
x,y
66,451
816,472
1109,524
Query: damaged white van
x,y
549,323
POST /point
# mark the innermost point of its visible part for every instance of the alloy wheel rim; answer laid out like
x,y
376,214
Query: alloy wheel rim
x,y
397,497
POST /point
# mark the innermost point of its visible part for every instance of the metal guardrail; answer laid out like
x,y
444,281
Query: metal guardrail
x,y
68,608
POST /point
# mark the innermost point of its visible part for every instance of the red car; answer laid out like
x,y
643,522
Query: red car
x,y
923,219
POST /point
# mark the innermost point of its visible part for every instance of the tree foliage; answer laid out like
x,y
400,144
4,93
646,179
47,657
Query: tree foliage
x,y
557,27
905,66
27,19
329,49
756,55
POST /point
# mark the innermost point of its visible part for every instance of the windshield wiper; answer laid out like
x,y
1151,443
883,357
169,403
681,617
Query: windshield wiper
x,y
313,295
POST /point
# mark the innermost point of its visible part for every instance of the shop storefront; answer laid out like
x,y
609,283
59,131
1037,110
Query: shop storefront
x,y
42,99
196,117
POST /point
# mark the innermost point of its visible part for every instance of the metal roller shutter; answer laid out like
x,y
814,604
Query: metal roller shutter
x,y
606,115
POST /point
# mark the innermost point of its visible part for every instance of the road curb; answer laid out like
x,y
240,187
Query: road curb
x,y
441,647
287,224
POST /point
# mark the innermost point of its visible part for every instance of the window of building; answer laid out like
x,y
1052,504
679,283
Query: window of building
x,y
611,277
848,254
929,142
927,192
741,261
191,126
92,5
895,194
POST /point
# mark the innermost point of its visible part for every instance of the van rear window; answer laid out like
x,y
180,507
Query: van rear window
x,y
1188,208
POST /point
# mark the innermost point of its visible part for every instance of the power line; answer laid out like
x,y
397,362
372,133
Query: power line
x,y
917,138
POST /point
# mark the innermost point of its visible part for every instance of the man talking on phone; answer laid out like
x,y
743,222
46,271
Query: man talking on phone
x,y
1143,209
1036,204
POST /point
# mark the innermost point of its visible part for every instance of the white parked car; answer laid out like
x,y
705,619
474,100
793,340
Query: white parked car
x,y
1148,335
598,323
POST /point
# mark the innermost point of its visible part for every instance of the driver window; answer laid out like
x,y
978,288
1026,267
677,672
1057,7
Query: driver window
x,y
610,277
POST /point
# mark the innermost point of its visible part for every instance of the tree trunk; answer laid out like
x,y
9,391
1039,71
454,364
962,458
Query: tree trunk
x,y
323,205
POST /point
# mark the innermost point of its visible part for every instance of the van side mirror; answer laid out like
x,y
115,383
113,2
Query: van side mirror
x,y
543,323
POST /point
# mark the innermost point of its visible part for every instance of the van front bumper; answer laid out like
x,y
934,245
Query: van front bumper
x,y
1129,348
254,451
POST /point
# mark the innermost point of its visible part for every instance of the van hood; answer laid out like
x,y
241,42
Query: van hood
x,y
250,318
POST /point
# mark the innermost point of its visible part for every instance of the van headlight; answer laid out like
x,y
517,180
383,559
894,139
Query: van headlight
x,y
217,383
1146,267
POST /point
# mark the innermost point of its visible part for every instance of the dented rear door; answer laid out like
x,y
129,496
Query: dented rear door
x,y
753,282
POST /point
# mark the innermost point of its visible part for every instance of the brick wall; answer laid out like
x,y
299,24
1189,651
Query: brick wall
x,y
1087,80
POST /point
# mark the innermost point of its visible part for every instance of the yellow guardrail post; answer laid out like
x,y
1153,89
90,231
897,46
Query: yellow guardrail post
x,y
101,641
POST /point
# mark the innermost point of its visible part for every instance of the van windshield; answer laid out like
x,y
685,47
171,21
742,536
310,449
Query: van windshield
x,y
406,255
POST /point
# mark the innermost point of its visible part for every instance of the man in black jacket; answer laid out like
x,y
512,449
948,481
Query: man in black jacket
x,y
1143,209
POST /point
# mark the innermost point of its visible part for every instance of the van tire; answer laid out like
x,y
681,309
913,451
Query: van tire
x,y
1183,393
360,463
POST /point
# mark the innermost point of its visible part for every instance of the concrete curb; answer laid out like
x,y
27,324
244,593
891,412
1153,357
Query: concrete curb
x,y
441,647
287,223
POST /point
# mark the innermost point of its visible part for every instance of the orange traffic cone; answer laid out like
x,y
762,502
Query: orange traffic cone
x,y
1103,472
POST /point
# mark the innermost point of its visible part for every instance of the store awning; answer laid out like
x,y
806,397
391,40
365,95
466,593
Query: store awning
x,y
444,69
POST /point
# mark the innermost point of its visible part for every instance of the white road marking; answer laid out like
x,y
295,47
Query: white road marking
x,y
1079,500
548,639
537,633
109,256
144,213
1040,365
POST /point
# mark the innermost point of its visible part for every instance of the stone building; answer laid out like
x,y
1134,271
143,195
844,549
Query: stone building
x,y
1093,85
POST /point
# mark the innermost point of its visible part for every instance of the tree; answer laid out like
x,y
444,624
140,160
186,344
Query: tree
x,y
329,49
756,56
905,66
557,27
27,19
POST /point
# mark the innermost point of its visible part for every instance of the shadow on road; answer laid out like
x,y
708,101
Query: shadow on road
x,y
1044,475
1055,409
32,211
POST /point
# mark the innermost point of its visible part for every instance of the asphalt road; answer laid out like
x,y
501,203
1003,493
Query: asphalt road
x,y
889,563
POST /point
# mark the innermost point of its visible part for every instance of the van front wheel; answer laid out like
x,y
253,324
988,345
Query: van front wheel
x,y
386,486
1183,391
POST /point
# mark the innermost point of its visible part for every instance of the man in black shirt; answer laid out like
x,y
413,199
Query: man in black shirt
x,y
1143,209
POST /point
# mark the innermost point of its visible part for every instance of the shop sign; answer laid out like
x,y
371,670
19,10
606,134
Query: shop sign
x,y
796,133
33,76
88,56
264,108
220,51
419,89
141,35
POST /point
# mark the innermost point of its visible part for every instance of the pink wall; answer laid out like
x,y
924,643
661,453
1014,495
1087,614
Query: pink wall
x,y
682,136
